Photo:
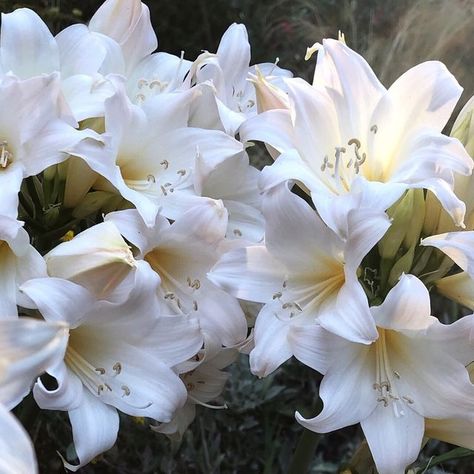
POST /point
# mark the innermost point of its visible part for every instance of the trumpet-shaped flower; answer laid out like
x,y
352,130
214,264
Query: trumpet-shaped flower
x,y
181,254
304,273
415,370
120,355
346,137
152,152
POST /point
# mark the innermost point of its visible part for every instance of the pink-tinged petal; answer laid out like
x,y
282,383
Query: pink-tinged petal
x,y
350,318
351,83
346,390
313,346
55,297
458,287
273,127
28,347
295,234
458,431
66,396
17,455
406,307
250,273
27,46
94,429
458,246
394,441
272,347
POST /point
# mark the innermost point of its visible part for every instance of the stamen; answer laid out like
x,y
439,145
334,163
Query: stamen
x,y
237,233
374,128
5,156
101,370
195,305
126,391
165,164
117,368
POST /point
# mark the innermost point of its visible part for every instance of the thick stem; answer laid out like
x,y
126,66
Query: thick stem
x,y
304,452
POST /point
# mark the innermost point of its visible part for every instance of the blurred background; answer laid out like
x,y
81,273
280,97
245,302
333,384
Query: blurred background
x,y
258,434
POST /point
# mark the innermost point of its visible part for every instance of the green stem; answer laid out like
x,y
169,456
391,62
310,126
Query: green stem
x,y
304,452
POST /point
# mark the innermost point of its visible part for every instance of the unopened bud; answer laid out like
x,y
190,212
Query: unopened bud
x,y
98,259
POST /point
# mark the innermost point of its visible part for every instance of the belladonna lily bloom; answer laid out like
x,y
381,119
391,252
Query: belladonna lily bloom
x,y
27,348
181,254
152,152
120,355
415,370
305,273
346,137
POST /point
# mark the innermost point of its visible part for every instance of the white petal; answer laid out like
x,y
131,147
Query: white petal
x,y
94,429
407,306
27,46
458,246
10,183
17,455
346,390
394,441
28,347
350,318
234,55
68,394
244,222
312,345
272,127
352,84
55,298
295,234
249,273
272,347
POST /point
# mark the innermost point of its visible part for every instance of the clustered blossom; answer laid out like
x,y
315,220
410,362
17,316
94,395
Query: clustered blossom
x,y
135,235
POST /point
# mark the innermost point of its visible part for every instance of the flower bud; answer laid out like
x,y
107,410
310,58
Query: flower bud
x,y
269,97
98,259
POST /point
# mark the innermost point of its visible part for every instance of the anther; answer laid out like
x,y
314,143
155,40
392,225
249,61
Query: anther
x,y
151,178
163,190
117,368
277,295
101,370
237,233
165,164
126,391
195,305
142,82
100,389
374,128
181,172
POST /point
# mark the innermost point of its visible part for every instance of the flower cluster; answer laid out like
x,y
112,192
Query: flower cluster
x,y
134,232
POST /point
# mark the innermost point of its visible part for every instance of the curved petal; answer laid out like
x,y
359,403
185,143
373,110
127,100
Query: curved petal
x,y
249,273
346,390
458,246
17,455
394,441
68,394
458,431
94,429
272,347
458,287
407,306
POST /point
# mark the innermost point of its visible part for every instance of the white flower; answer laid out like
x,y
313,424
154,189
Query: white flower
x,y
151,155
348,138
120,355
414,370
181,254
304,273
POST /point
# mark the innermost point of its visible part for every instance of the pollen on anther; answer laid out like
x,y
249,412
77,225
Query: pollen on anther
x,y
126,391
101,370
117,368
